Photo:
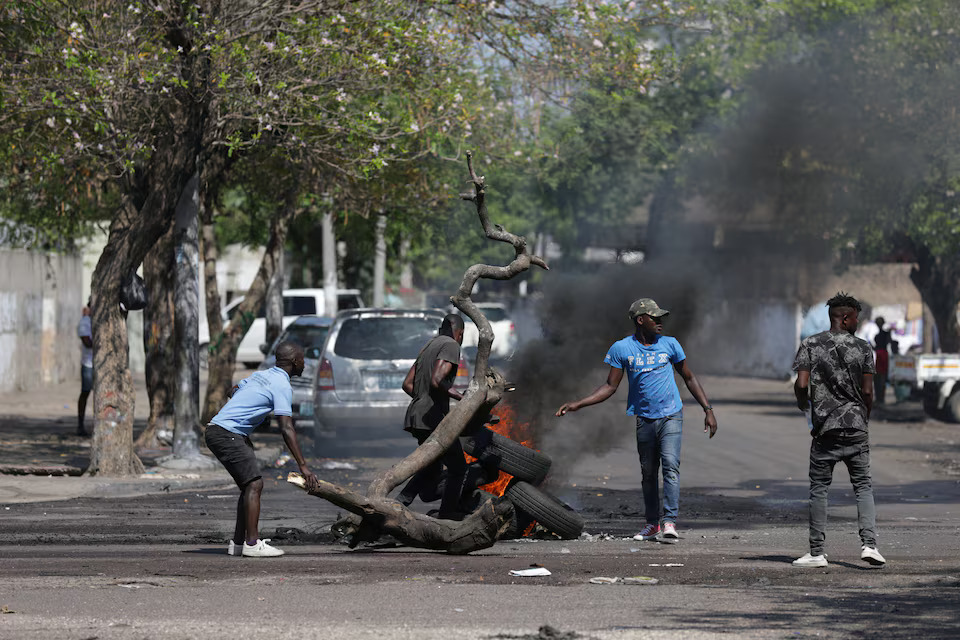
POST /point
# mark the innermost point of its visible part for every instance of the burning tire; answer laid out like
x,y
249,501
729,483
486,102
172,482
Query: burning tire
x,y
553,514
493,449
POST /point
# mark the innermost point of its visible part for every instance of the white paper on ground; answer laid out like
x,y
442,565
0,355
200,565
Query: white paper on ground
x,y
528,573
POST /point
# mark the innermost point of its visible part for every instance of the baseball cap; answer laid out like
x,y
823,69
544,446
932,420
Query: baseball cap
x,y
646,306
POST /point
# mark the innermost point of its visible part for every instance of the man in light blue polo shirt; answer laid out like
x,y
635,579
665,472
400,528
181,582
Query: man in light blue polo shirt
x,y
228,433
649,360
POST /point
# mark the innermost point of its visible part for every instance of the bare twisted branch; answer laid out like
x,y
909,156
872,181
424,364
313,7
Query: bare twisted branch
x,y
519,264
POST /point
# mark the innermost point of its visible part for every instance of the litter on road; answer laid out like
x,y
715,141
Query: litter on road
x,y
530,573
618,580
604,580
335,464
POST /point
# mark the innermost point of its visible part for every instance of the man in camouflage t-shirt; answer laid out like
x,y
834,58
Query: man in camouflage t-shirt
x,y
835,372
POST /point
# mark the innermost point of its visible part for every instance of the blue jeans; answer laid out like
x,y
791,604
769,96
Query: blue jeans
x,y
825,452
658,443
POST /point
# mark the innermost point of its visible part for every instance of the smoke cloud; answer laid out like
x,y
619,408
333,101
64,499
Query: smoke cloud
x,y
752,223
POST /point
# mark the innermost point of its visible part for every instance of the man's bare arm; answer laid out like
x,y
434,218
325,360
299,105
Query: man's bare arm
x,y
866,388
693,386
442,369
408,381
290,438
601,393
801,389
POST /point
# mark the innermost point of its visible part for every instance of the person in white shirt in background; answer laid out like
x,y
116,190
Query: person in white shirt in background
x,y
85,333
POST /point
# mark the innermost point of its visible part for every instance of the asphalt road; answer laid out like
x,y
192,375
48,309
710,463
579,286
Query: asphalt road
x,y
155,567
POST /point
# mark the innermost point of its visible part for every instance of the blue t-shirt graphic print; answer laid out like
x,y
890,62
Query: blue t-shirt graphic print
x,y
653,391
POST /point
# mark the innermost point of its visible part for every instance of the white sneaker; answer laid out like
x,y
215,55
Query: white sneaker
x,y
871,556
260,550
669,532
234,549
811,561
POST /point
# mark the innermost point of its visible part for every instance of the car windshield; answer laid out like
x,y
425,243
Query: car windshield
x,y
306,335
385,337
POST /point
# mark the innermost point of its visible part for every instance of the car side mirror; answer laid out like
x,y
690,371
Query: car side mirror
x,y
264,348
313,353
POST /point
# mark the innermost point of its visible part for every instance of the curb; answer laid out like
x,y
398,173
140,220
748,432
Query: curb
x,y
26,489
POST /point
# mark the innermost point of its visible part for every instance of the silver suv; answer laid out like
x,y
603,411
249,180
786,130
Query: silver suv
x,y
310,332
366,357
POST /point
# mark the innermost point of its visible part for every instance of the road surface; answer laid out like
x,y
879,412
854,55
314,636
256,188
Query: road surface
x,y
155,566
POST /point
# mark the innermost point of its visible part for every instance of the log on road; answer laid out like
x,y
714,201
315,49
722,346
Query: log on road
x,y
477,531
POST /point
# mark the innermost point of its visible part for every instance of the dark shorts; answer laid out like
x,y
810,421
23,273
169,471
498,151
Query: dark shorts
x,y
86,379
235,452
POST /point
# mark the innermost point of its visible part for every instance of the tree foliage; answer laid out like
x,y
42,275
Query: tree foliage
x,y
137,97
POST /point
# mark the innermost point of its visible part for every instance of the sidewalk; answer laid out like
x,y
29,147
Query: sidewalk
x,y
42,458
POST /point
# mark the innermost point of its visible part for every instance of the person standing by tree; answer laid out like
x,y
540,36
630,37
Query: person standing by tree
x,y
881,347
85,333
227,436
430,383
835,382
654,399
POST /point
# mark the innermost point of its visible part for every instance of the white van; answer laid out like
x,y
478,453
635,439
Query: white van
x,y
296,302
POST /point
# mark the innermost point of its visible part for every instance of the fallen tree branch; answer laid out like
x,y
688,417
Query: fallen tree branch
x,y
373,513
479,530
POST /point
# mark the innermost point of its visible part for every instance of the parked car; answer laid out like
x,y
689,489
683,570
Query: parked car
x,y
504,332
296,302
310,332
363,364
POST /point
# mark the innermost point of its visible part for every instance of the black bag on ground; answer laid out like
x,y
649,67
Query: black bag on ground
x,y
133,293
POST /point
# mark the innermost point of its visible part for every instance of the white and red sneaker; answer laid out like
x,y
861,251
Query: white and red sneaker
x,y
670,532
649,532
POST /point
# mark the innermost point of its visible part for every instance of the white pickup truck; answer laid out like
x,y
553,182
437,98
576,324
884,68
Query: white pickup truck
x,y
937,375
296,302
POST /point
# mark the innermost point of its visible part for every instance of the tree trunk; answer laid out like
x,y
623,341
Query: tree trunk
x,y
132,234
329,252
380,261
275,303
223,343
406,268
374,513
928,330
938,279
211,290
186,324
158,342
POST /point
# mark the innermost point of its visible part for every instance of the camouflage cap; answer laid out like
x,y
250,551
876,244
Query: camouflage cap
x,y
646,306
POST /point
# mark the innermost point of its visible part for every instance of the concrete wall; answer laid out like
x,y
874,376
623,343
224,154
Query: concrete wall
x,y
745,337
41,300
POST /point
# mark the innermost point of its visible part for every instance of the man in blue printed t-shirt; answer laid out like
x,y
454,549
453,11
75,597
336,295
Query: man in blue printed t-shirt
x,y
228,433
649,360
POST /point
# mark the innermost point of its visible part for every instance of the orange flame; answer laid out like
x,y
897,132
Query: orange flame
x,y
517,431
